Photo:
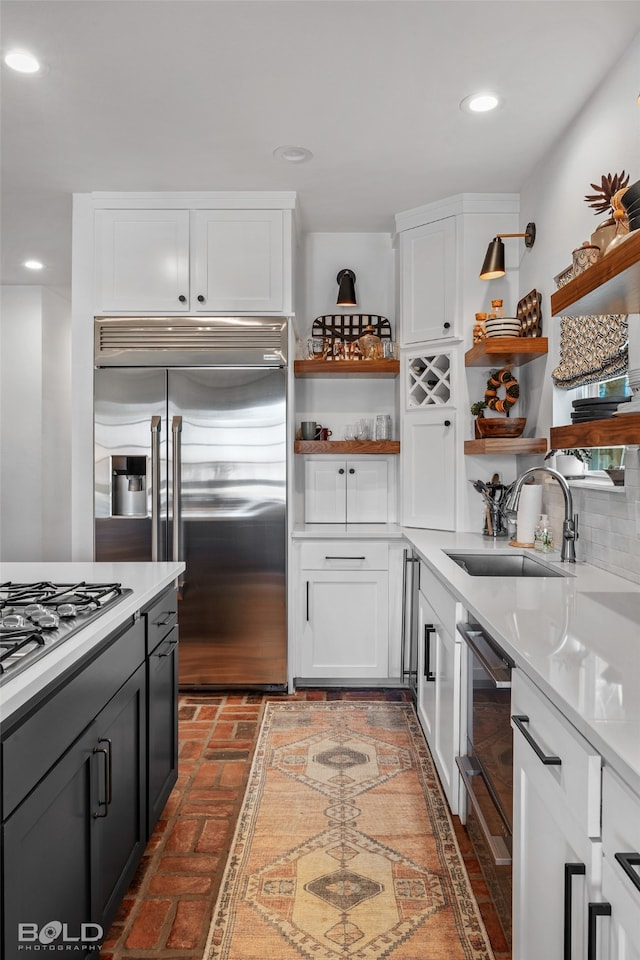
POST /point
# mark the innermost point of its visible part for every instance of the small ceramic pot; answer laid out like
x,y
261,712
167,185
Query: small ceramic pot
x,y
585,257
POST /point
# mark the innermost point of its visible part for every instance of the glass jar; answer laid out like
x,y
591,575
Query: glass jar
x,y
370,345
497,310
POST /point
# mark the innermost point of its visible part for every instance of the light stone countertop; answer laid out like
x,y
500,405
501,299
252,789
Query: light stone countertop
x,y
146,580
576,637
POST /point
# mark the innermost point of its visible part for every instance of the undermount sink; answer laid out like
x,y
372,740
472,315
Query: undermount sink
x,y
502,565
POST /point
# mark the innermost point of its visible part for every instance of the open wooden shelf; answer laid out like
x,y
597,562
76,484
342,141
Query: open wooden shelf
x,y
506,445
610,286
346,446
612,432
343,368
505,351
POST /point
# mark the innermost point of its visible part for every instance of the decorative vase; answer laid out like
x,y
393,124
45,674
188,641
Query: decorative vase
x,y
604,234
569,465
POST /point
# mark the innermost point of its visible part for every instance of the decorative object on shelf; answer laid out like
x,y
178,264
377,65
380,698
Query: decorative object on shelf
x,y
479,331
616,475
501,378
596,408
503,327
630,200
500,426
342,333
585,256
529,313
600,201
370,345
493,266
497,310
316,348
621,221
346,289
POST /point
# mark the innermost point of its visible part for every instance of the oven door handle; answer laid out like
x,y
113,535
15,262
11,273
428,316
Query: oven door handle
x,y
497,846
501,678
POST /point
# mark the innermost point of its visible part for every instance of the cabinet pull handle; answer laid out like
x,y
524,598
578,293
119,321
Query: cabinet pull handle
x,y
107,778
406,627
341,471
345,558
169,650
447,423
109,770
546,758
351,470
169,615
628,861
201,299
307,600
595,910
428,630
571,870
446,325
182,298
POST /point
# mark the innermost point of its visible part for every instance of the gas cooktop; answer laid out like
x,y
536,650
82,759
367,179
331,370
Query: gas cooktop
x,y
34,617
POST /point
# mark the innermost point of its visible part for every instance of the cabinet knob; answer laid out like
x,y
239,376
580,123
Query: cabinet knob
x,y
446,325
182,298
351,470
201,299
447,423
341,470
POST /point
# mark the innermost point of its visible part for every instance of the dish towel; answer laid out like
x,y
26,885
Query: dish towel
x,y
529,506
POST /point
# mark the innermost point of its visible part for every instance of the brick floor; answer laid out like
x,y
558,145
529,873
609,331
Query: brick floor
x,y
167,911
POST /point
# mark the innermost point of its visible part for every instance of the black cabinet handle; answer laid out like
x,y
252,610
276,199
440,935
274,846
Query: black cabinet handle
x,y
571,870
345,558
107,778
200,298
546,759
341,471
307,600
428,630
182,298
595,910
447,423
169,615
169,650
351,470
628,861
446,325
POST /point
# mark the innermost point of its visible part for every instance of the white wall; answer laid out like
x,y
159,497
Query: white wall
x,y
604,138
35,412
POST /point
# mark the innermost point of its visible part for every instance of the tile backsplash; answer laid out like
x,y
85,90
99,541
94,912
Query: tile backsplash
x,y
609,520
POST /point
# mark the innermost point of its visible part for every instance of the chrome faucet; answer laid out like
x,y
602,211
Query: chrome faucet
x,y
570,524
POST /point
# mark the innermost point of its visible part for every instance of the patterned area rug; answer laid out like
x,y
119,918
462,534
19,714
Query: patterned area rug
x,y
344,849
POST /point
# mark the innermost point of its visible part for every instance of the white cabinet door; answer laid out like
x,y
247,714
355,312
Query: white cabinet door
x,y
367,491
438,703
141,261
345,628
620,875
238,260
325,491
346,491
428,282
428,467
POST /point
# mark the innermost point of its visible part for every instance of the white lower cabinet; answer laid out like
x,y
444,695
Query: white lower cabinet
x,y
346,491
557,854
343,610
618,929
438,694
428,466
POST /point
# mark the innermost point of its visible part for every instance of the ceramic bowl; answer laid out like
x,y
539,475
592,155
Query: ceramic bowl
x,y
489,427
617,475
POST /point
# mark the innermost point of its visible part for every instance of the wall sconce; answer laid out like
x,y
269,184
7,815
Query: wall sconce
x,y
346,288
493,266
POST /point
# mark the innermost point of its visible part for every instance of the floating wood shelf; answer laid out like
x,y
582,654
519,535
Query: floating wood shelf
x,y
612,432
610,286
343,368
505,351
346,446
506,445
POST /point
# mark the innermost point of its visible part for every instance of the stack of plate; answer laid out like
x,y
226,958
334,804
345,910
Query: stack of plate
x,y
596,408
634,384
503,327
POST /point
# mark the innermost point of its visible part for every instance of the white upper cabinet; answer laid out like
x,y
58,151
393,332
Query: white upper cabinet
x,y
172,258
428,282
346,491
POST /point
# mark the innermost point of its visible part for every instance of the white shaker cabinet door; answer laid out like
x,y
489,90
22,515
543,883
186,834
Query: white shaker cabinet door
x,y
428,281
238,261
428,469
325,491
141,261
367,491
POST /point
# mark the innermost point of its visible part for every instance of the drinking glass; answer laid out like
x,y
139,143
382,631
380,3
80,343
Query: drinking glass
x,y
350,432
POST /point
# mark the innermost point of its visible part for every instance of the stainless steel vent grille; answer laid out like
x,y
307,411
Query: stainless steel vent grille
x,y
167,341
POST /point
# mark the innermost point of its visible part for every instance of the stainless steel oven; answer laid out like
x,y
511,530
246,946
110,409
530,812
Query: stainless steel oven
x,y
486,764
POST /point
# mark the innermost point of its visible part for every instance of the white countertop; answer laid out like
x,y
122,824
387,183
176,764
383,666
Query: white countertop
x,y
145,580
576,637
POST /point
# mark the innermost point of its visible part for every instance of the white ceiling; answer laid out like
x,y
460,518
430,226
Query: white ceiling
x,y
196,95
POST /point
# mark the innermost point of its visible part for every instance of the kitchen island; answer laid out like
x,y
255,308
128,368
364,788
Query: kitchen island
x,y
89,752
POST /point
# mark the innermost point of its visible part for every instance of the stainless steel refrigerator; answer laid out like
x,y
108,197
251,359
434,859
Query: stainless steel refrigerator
x,y
190,463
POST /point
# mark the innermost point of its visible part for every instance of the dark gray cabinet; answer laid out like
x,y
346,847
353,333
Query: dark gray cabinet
x,y
162,756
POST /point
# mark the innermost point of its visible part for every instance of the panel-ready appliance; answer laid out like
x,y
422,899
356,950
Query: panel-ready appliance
x,y
409,631
487,767
190,464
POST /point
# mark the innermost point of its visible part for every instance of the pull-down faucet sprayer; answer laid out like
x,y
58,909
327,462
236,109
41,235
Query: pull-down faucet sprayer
x,y
570,525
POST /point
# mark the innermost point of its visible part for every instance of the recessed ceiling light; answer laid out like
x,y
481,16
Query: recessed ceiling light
x,y
293,154
480,103
33,265
22,61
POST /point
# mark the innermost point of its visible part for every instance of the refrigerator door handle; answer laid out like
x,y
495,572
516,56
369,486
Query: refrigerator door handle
x,y
176,513
155,487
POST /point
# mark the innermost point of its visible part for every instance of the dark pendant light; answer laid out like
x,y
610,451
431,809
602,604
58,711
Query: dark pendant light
x,y
346,289
493,266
